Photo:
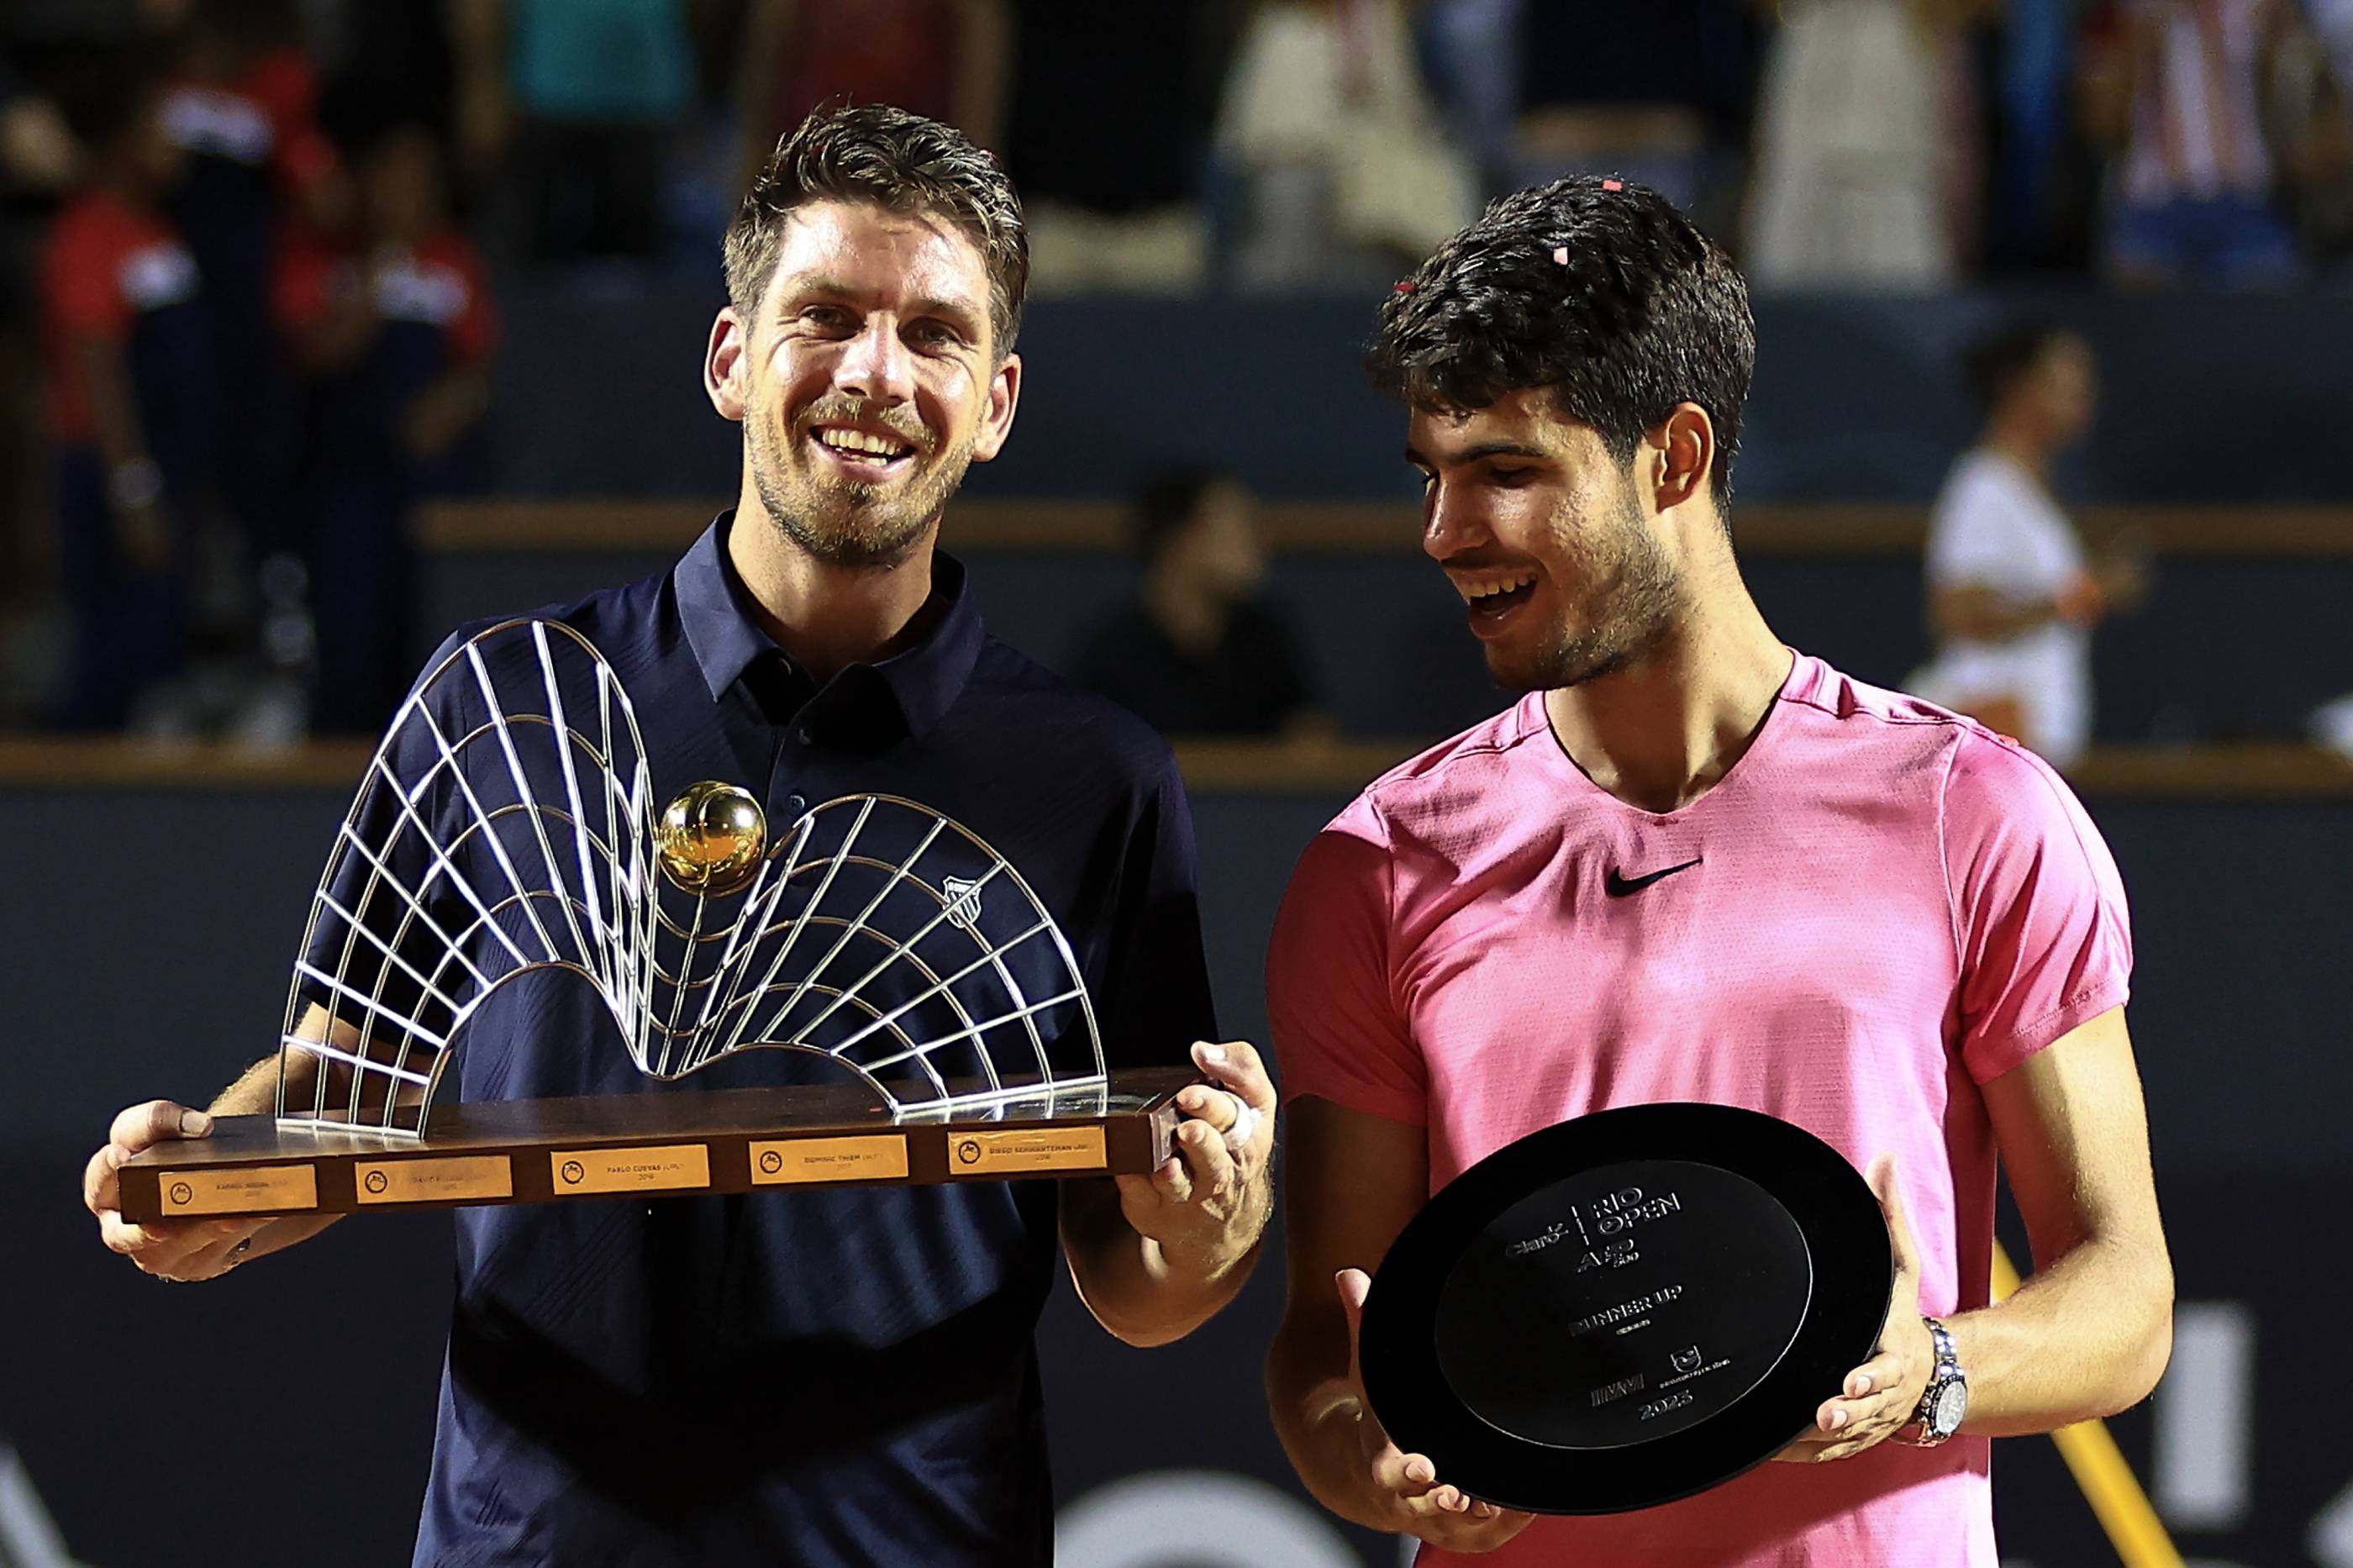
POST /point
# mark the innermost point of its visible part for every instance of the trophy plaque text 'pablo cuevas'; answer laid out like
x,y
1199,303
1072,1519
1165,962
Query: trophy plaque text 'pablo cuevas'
x,y
507,838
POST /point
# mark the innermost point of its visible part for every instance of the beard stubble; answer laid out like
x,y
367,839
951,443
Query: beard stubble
x,y
852,525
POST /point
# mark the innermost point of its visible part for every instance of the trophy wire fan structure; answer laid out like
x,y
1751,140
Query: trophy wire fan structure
x,y
509,827
510,837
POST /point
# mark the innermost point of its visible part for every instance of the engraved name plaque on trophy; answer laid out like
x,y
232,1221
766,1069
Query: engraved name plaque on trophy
x,y
1626,1309
508,835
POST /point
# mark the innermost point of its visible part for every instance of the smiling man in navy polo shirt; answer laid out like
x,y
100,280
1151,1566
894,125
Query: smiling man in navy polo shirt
x,y
847,1376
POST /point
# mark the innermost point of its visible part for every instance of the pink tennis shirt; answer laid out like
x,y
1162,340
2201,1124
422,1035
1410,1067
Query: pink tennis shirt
x,y
1888,906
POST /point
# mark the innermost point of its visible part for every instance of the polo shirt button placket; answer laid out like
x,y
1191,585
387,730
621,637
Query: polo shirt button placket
x,y
785,805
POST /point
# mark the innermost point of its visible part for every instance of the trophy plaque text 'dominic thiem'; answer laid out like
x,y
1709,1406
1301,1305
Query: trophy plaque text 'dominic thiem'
x,y
1626,1309
507,835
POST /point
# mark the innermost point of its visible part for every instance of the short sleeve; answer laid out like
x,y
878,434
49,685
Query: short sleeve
x,y
299,293
475,332
1154,1000
1973,534
1338,1033
2038,910
286,85
82,286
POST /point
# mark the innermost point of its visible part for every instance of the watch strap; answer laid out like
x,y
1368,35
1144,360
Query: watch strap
x,y
1921,1431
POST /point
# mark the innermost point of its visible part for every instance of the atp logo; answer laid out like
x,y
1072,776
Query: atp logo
x,y
964,902
1685,1360
377,1181
572,1172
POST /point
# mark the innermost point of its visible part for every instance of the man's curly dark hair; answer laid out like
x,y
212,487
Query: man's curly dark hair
x,y
902,163
1598,290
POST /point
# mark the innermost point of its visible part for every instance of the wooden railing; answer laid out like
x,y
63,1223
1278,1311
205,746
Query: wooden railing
x,y
2269,772
470,527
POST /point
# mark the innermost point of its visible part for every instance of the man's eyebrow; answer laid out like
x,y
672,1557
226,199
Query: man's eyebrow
x,y
957,312
954,311
816,283
1483,450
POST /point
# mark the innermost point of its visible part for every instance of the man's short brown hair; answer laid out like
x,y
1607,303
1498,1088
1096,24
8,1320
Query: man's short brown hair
x,y
902,163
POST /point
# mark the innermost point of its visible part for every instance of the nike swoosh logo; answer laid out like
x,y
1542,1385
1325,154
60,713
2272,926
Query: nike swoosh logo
x,y
1618,886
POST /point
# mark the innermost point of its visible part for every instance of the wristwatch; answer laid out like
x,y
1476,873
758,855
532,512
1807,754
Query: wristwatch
x,y
1944,1403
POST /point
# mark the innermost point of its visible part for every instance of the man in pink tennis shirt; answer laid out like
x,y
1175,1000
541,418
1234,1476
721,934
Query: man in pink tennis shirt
x,y
1691,864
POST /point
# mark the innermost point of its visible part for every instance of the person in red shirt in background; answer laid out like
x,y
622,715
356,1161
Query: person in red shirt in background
x,y
391,327
130,402
241,103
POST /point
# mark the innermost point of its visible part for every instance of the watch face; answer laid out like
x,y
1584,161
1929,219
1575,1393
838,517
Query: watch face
x,y
1952,1406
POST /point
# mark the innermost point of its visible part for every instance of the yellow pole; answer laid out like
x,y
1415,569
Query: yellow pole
x,y
2099,1467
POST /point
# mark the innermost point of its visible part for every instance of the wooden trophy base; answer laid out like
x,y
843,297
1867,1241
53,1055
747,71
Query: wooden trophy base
x,y
647,1145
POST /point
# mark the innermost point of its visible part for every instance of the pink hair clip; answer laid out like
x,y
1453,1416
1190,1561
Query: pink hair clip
x,y
1560,257
1405,286
1613,185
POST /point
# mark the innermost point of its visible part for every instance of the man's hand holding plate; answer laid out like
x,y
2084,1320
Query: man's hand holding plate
x,y
1419,1504
1879,1397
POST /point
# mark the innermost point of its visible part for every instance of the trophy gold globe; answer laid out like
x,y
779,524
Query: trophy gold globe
x,y
711,838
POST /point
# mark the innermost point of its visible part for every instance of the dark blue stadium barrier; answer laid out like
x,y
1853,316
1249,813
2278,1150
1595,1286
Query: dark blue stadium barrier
x,y
2210,397
146,940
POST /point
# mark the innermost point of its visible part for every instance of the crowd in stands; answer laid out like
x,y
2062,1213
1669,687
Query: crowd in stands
x,y
1290,143
245,321
257,333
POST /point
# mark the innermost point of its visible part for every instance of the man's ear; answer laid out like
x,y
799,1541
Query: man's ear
x,y
1680,455
1004,399
726,362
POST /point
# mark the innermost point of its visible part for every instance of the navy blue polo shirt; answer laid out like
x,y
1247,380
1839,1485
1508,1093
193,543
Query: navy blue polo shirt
x,y
821,1376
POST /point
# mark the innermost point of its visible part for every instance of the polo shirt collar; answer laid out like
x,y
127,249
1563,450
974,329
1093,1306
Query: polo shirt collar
x,y
924,679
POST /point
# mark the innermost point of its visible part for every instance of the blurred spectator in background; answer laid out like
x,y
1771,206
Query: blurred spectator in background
x,y
2313,92
1201,651
945,59
1342,171
2032,127
40,159
1106,130
2012,597
1868,140
241,104
2331,726
2193,197
1658,92
1470,54
392,327
2332,23
370,54
133,402
577,105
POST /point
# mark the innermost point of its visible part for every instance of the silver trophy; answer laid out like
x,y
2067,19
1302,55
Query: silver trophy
x,y
506,836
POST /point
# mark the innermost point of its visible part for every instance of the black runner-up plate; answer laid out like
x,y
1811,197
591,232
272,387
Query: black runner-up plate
x,y
1626,1309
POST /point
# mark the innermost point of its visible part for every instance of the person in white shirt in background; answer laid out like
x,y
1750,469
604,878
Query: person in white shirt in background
x,y
2012,593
